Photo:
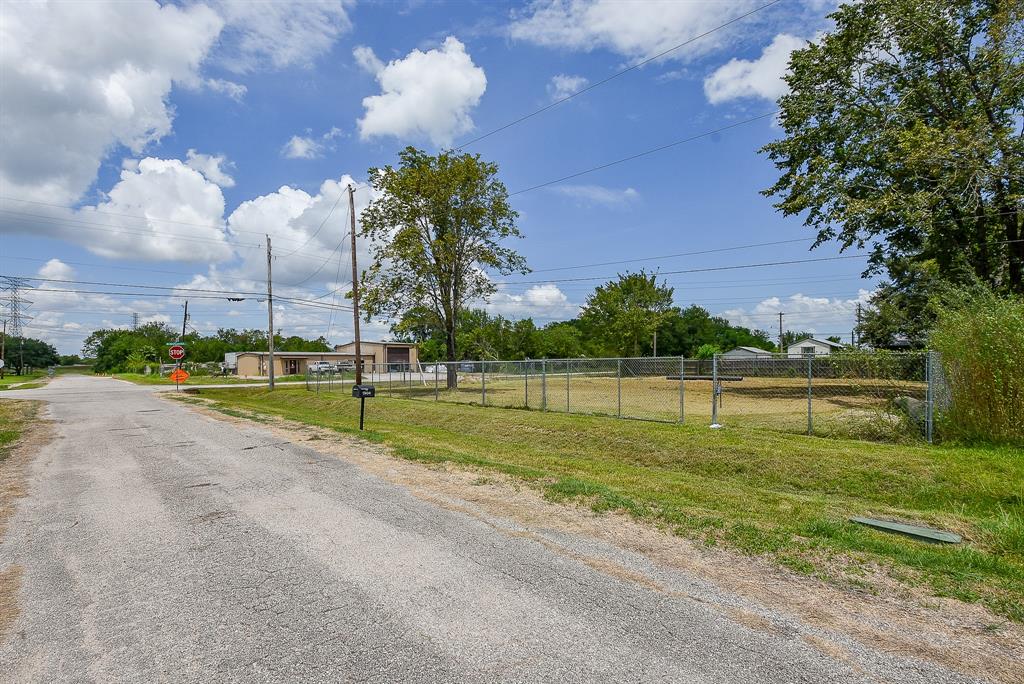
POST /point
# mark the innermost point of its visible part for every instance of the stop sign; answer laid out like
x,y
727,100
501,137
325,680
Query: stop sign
x,y
177,352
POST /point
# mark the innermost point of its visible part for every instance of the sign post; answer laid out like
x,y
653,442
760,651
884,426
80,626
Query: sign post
x,y
363,391
176,350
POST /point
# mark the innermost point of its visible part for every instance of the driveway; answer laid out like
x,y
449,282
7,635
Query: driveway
x,y
159,544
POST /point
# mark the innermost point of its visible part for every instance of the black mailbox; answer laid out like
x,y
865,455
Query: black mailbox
x,y
363,391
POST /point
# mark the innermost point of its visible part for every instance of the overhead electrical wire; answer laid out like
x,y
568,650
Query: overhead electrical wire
x,y
628,69
645,153
673,256
691,270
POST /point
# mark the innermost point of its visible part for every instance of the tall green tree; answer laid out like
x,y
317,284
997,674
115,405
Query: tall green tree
x,y
624,313
681,333
27,352
903,133
436,230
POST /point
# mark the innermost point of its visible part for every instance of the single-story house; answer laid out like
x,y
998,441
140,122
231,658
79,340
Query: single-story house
x,y
390,353
812,346
747,353
254,363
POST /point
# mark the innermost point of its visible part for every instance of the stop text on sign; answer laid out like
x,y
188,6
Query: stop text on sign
x,y
177,352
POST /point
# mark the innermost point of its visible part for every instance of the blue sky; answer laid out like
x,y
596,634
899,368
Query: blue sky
x,y
155,144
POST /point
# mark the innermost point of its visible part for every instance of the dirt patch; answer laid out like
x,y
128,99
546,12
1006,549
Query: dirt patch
x,y
14,466
892,617
10,583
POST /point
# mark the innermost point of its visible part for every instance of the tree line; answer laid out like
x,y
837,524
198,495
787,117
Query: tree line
x,y
131,350
624,317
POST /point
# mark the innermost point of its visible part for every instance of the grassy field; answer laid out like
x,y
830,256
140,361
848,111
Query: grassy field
x,y
761,492
855,408
140,379
26,381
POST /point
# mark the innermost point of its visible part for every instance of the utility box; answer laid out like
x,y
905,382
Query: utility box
x,y
364,391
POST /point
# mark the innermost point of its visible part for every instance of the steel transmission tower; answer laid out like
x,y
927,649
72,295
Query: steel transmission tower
x,y
16,304
16,317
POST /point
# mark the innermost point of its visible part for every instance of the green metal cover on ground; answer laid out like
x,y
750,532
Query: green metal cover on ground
x,y
916,531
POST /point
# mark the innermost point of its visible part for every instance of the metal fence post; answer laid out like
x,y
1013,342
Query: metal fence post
x,y
544,385
682,390
929,398
483,383
567,386
435,381
618,377
526,383
714,391
810,373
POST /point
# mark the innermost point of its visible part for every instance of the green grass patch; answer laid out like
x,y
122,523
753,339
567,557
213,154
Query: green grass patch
x,y
14,416
761,492
35,378
154,379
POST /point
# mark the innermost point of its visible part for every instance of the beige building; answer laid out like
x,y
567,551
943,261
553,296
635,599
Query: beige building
x,y
391,353
396,354
254,364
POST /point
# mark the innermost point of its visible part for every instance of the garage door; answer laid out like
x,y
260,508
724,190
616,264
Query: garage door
x,y
399,355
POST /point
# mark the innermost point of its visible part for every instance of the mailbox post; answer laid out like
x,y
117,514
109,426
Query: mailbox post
x,y
363,391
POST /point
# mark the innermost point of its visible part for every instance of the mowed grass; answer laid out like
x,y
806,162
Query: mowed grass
x,y
27,381
766,493
154,379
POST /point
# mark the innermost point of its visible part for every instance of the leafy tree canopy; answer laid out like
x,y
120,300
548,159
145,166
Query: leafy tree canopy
x,y
27,352
623,314
903,133
436,229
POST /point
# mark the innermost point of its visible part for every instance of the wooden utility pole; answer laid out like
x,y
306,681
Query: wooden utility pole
x,y
781,348
184,322
355,283
270,321
856,330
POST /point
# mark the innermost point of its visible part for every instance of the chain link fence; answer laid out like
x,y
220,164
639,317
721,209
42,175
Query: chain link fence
x,y
881,396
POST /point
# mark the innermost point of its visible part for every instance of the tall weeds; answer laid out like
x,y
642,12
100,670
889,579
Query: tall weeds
x,y
981,338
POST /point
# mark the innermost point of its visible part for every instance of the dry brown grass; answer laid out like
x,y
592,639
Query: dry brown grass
x,y
839,406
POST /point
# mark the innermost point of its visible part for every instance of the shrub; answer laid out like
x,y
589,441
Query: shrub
x,y
981,338
707,351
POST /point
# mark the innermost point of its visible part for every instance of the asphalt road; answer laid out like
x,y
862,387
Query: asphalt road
x,y
158,544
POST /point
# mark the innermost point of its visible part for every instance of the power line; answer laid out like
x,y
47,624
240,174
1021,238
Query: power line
x,y
691,270
319,228
660,148
615,75
673,256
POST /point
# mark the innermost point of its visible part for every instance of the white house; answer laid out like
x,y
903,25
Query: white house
x,y
747,353
812,346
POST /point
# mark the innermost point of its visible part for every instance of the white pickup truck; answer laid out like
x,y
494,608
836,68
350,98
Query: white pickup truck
x,y
321,367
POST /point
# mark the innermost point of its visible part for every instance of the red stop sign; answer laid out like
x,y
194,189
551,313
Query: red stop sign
x,y
177,352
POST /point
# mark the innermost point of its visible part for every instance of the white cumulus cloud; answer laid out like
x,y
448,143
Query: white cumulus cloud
x,y
82,77
540,302
562,85
160,210
308,147
821,315
211,166
762,77
281,33
425,95
634,30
